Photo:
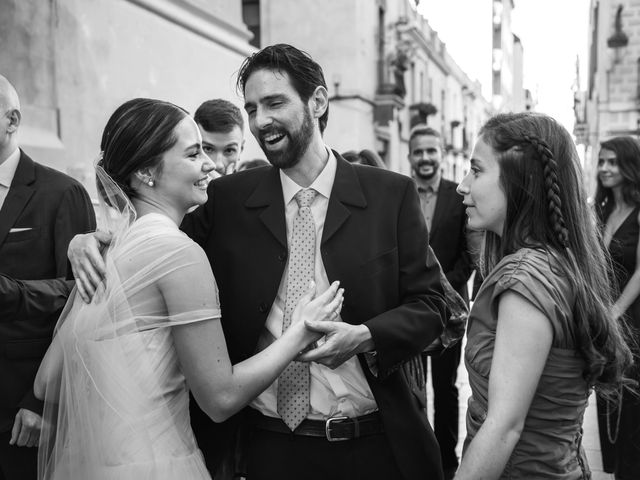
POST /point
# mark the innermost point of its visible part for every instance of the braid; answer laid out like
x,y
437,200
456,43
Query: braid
x,y
554,204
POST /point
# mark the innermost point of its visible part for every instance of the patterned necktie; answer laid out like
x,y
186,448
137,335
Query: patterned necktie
x,y
293,383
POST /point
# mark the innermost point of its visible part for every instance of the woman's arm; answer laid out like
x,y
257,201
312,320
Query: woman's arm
x,y
222,389
523,341
631,289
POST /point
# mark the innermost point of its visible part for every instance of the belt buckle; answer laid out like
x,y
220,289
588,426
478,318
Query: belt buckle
x,y
327,428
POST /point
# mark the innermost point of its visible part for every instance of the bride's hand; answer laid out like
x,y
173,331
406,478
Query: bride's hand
x,y
324,307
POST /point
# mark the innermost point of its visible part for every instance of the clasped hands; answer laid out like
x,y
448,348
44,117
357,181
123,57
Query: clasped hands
x,y
341,340
321,316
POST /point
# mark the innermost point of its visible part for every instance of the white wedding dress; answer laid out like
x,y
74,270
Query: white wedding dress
x,y
117,404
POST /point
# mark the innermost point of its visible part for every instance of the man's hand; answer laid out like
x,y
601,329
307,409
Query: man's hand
x,y
26,429
88,267
342,341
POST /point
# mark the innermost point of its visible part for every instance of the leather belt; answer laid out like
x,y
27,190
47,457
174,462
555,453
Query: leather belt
x,y
334,429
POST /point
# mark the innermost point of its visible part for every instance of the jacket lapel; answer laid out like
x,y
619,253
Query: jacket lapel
x,y
346,191
442,205
18,196
268,195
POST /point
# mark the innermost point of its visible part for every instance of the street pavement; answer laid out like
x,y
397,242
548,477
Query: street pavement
x,y
590,439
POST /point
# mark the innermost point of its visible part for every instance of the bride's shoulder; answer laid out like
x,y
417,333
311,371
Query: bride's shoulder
x,y
158,252
155,232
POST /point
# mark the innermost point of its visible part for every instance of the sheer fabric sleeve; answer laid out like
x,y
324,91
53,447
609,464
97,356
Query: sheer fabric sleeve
x,y
165,265
189,287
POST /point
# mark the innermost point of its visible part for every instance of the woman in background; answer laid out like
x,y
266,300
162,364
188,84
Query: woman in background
x,y
618,207
540,333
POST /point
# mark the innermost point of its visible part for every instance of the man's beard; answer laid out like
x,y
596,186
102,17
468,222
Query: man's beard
x,y
299,142
435,166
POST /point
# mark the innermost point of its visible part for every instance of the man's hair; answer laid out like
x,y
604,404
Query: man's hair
x,y
305,74
422,131
364,157
249,164
219,116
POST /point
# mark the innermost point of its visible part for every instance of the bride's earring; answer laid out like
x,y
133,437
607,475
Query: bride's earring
x,y
145,176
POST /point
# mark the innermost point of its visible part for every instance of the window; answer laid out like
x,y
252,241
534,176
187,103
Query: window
x,y
251,17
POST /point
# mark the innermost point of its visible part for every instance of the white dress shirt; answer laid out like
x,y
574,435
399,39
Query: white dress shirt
x,y
7,172
344,390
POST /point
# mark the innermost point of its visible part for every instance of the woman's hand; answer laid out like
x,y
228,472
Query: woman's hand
x,y
324,307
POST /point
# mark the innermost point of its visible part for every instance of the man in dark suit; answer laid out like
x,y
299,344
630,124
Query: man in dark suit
x,y
445,216
40,211
359,417
368,230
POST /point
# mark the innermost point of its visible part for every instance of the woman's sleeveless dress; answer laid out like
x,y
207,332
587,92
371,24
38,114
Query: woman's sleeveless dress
x,y
623,456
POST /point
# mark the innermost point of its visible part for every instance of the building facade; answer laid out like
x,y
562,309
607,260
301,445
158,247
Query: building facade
x,y
610,105
508,92
74,61
387,70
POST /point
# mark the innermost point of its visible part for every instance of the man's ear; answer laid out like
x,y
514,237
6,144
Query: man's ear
x,y
319,101
15,117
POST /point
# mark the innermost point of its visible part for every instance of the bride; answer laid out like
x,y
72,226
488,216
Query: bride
x,y
116,375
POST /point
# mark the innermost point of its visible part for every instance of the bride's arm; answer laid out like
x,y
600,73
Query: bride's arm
x,y
220,388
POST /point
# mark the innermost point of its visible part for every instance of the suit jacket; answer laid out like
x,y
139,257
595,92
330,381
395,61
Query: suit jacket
x,y
374,243
29,300
448,237
45,209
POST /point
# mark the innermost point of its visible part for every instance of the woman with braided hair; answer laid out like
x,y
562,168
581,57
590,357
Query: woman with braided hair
x,y
618,207
540,334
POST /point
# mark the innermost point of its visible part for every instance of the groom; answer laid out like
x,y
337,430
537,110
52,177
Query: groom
x,y
370,236
353,413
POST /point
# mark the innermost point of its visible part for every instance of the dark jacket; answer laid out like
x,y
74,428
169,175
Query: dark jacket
x,y
373,242
43,210
448,237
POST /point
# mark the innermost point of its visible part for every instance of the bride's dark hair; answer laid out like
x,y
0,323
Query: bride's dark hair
x,y
135,137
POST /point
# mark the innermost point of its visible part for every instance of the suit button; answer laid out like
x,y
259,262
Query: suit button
x,y
282,257
263,307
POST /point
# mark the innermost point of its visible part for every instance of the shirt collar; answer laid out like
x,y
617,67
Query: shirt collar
x,y
8,168
322,184
433,184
